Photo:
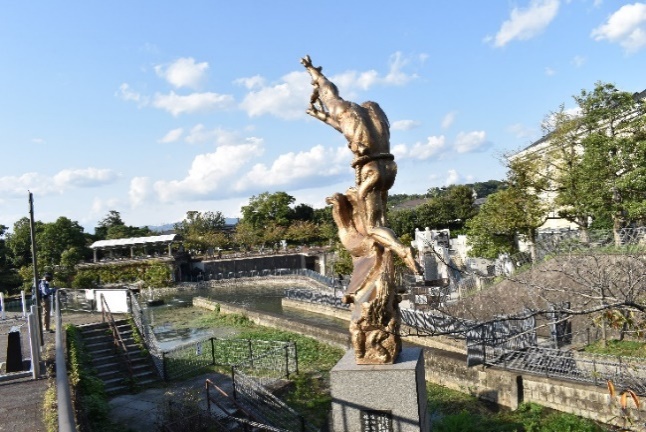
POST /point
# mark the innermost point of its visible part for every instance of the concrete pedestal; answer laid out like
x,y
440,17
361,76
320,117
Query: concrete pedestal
x,y
382,398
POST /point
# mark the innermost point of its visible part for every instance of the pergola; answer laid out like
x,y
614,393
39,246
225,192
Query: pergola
x,y
124,243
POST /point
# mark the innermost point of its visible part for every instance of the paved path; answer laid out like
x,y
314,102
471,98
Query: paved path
x,y
21,400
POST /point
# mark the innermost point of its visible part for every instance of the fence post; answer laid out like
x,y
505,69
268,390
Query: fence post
x,y
233,383
212,352
24,303
295,357
286,361
594,370
164,371
250,347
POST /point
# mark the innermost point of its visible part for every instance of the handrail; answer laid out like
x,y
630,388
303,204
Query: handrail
x,y
118,340
66,421
254,422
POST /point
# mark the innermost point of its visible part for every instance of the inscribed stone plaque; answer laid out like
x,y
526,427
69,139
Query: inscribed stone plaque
x,y
376,421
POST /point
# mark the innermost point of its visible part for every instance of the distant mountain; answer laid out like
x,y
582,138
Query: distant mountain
x,y
171,226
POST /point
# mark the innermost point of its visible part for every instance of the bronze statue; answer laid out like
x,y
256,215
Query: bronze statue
x,y
360,215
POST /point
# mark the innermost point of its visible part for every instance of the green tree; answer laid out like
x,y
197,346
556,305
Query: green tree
x,y
303,212
202,230
9,279
112,219
57,237
505,214
302,232
565,170
19,241
266,208
613,163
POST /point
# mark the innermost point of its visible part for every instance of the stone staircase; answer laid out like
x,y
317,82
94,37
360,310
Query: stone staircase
x,y
110,364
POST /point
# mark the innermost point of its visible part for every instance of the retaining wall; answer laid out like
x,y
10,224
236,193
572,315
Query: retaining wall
x,y
445,364
334,337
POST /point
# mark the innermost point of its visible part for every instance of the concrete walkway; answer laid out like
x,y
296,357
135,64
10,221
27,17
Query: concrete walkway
x,y
21,400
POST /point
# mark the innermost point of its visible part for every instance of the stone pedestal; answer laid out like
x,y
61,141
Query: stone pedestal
x,y
384,398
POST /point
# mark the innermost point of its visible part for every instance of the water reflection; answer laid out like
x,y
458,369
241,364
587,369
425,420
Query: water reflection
x,y
258,298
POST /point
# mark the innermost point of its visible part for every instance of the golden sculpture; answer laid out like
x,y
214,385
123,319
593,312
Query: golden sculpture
x,y
360,216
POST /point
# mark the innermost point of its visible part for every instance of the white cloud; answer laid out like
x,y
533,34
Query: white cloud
x,y
195,102
100,207
521,131
289,167
17,186
87,177
549,71
211,172
470,142
200,134
140,188
172,135
448,119
287,100
38,141
395,75
527,23
184,72
129,95
627,27
433,146
251,83
452,178
578,61
404,125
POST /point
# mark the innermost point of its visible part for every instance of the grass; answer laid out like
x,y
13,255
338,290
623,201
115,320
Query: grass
x,y
453,411
618,348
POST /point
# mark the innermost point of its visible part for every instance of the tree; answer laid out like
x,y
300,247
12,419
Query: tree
x,y
565,171
9,279
613,164
506,213
266,208
202,231
19,241
113,227
57,237
303,212
302,232
112,219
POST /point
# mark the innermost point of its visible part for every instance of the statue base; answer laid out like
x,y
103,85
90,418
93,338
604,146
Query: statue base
x,y
381,398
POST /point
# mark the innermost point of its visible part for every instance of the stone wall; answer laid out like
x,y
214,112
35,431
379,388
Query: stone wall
x,y
445,364
331,336
510,388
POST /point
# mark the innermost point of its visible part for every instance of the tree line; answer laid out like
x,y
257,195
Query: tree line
x,y
267,220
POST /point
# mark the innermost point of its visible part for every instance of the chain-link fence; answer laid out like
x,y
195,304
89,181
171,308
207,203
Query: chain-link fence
x,y
266,408
268,361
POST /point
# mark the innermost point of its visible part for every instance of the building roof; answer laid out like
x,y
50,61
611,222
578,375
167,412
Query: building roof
x,y
135,241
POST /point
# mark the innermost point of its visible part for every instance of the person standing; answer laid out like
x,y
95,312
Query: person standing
x,y
46,293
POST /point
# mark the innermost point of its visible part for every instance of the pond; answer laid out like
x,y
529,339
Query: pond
x,y
175,322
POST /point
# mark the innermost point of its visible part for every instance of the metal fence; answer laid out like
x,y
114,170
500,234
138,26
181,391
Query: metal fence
x,y
327,298
266,408
268,361
624,372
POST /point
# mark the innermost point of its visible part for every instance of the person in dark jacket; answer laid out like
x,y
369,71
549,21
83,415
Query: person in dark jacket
x,y
47,291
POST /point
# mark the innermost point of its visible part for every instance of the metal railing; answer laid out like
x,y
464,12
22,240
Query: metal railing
x,y
597,369
264,410
65,407
331,298
119,344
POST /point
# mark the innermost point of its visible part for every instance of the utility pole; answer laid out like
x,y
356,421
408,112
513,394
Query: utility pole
x,y
36,293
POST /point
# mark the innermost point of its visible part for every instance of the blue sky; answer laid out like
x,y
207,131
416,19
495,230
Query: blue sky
x,y
156,108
